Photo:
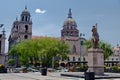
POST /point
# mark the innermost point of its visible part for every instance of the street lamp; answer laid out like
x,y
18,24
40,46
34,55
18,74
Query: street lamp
x,y
17,57
81,43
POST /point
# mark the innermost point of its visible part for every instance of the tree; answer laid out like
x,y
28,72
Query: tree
x,y
52,47
107,48
40,51
11,62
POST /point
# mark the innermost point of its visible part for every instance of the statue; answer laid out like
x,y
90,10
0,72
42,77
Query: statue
x,y
96,56
95,37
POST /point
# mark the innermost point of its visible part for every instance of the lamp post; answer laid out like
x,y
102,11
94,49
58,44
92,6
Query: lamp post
x,y
53,62
81,46
17,57
0,44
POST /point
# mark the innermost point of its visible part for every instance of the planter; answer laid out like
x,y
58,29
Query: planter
x,y
3,70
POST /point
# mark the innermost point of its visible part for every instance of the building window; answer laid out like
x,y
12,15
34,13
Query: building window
x,y
22,18
116,59
74,49
26,27
73,58
117,51
17,27
67,33
83,58
26,18
71,34
68,59
67,27
25,37
112,59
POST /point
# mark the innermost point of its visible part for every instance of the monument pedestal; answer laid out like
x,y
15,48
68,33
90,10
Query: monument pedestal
x,y
96,61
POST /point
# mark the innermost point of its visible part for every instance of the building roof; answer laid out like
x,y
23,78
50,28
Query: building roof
x,y
25,11
70,21
69,38
38,37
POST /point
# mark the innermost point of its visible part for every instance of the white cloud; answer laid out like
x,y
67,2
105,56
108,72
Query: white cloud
x,y
40,11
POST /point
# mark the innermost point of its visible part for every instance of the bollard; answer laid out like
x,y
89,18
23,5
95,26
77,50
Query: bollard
x,y
44,71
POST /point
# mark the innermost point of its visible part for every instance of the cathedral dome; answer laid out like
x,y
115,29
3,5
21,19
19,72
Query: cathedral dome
x,y
70,27
25,12
70,22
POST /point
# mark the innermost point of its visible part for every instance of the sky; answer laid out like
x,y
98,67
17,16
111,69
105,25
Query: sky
x,y
48,17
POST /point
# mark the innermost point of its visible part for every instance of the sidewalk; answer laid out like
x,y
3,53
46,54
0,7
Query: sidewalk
x,y
37,76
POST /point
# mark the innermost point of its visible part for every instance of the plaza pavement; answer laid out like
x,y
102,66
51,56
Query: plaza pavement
x,y
37,76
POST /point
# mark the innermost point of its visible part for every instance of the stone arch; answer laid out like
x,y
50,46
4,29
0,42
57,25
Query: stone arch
x,y
26,37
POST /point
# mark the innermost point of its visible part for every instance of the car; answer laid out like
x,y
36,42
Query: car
x,y
34,70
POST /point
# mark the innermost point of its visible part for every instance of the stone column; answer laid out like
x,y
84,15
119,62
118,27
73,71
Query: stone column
x,y
96,61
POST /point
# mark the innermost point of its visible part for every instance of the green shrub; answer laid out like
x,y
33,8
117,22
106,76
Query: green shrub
x,y
114,67
119,68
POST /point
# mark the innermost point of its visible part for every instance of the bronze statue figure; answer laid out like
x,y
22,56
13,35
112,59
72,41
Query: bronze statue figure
x,y
95,37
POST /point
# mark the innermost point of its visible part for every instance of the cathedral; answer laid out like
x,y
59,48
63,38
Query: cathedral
x,y
22,29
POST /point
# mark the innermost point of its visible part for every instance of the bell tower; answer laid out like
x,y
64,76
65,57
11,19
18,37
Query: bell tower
x,y
21,29
25,16
25,30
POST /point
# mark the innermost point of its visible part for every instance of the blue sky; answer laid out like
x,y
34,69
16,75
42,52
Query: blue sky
x,y
49,23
